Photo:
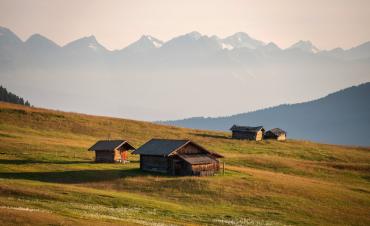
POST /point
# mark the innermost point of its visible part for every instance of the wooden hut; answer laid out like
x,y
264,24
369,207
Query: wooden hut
x,y
247,132
111,150
275,133
177,157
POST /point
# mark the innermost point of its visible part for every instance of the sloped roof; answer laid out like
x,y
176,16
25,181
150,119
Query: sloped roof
x,y
197,159
246,128
277,131
165,147
160,147
109,145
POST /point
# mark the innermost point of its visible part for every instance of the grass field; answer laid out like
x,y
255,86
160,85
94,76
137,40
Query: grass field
x,y
47,177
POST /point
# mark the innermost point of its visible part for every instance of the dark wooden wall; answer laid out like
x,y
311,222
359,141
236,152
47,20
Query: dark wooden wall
x,y
247,135
104,156
174,165
154,163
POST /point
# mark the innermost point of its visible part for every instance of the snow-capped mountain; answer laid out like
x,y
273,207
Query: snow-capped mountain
x,y
145,43
138,79
241,40
305,46
86,44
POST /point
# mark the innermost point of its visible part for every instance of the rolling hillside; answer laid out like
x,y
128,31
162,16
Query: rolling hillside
x,y
342,117
47,177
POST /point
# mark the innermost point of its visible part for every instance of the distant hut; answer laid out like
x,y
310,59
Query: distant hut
x,y
247,132
111,150
177,157
276,133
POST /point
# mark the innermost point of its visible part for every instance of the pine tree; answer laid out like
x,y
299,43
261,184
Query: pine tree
x,y
11,97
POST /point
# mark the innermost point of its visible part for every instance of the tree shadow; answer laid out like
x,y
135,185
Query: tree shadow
x,y
210,135
75,177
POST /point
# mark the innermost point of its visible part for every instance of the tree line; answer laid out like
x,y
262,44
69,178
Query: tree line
x,y
7,96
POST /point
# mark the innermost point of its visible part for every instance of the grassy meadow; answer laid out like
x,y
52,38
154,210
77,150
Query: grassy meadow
x,y
47,177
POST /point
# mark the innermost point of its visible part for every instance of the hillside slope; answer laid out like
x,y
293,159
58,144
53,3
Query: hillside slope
x,y
47,177
339,118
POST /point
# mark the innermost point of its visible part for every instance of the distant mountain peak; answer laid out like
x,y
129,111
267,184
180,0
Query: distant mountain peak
x,y
305,46
194,35
241,40
156,42
9,37
4,30
145,43
39,43
37,38
272,47
88,42
241,35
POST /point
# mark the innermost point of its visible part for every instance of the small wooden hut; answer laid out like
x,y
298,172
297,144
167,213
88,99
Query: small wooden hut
x,y
177,157
247,132
275,133
111,151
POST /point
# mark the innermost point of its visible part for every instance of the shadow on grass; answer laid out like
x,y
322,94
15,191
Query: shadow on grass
x,y
210,135
75,177
32,161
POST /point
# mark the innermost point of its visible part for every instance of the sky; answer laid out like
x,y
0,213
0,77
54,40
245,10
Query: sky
x,y
117,23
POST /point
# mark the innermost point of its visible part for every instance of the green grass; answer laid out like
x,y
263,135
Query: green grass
x,y
47,177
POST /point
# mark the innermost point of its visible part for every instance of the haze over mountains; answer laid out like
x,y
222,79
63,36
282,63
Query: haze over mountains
x,y
342,117
189,75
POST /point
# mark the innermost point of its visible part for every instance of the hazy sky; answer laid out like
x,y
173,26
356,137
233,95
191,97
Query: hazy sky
x,y
116,23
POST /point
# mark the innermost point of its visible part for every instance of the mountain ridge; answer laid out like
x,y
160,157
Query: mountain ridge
x,y
237,38
189,67
336,114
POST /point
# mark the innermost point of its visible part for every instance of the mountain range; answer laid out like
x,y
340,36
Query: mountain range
x,y
342,117
189,75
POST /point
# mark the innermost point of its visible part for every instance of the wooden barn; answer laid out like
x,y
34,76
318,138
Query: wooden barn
x,y
177,157
276,133
247,132
111,150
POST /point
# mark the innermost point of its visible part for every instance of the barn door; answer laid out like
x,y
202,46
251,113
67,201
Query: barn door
x,y
124,156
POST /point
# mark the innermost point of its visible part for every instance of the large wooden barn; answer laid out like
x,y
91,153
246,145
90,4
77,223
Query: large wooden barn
x,y
247,132
177,157
111,150
275,133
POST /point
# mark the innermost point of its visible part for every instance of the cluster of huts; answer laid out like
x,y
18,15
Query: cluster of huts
x,y
177,157
174,157
257,133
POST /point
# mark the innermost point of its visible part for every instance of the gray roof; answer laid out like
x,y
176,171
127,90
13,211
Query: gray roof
x,y
197,159
277,131
246,128
165,147
109,145
160,147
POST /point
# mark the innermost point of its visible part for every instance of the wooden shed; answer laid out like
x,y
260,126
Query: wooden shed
x,y
177,157
247,132
111,150
275,133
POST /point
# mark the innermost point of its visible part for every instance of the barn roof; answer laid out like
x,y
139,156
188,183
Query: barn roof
x,y
277,131
197,159
109,145
165,147
246,128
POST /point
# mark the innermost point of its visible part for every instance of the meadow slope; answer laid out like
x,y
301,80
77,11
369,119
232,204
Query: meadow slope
x,y
47,177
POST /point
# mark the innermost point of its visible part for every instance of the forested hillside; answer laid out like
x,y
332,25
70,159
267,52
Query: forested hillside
x,y
7,96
